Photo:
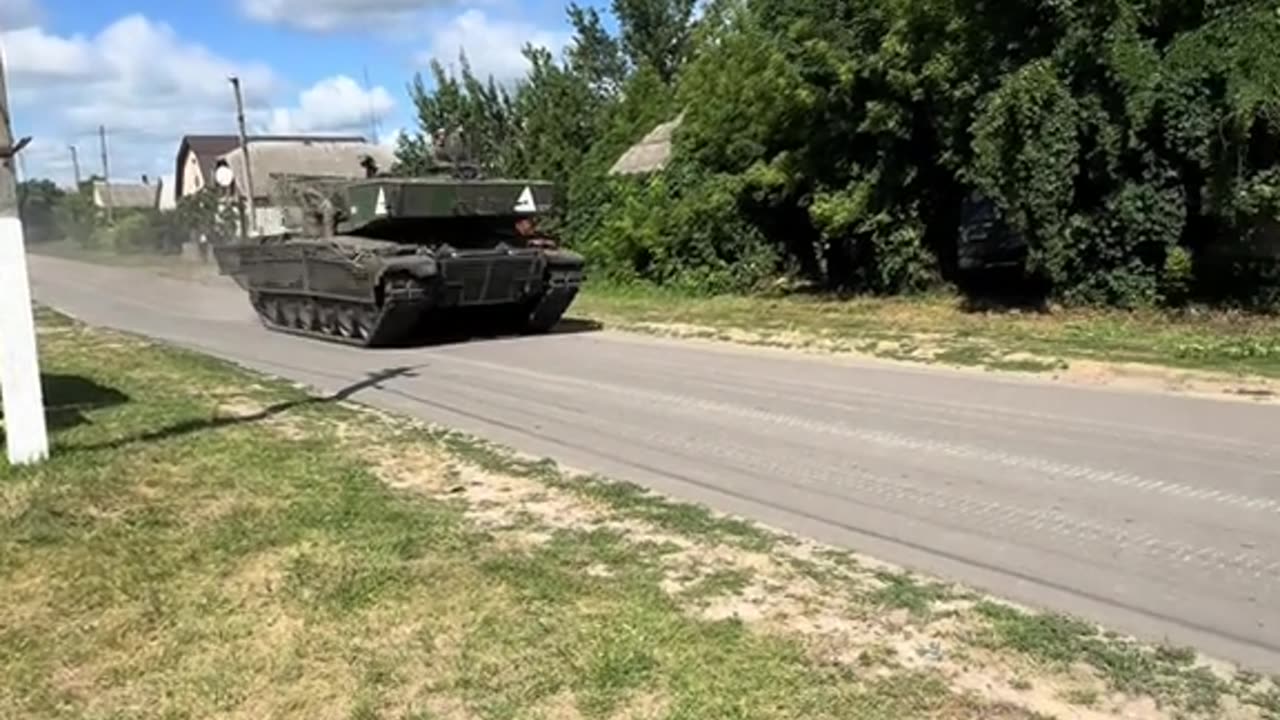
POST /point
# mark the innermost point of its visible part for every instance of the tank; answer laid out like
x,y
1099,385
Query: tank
x,y
376,261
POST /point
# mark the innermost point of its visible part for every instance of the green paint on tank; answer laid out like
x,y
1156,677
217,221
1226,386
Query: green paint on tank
x,y
370,261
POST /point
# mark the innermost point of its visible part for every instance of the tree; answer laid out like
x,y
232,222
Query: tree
x,y
595,56
38,201
482,112
656,33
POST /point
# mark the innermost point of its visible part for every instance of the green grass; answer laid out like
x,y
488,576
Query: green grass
x,y
939,329
904,592
720,583
185,555
1170,674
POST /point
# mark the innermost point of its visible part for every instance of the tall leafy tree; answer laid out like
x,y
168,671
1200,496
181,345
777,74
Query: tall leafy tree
x,y
656,33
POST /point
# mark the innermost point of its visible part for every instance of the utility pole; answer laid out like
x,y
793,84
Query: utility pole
x,y
26,436
106,174
75,165
245,231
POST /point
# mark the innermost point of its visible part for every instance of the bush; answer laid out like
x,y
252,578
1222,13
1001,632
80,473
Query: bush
x,y
1177,277
678,229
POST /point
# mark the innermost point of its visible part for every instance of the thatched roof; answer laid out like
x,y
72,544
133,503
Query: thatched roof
x,y
126,195
313,158
651,154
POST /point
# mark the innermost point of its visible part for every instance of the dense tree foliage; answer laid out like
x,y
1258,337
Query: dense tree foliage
x,y
38,202
1128,147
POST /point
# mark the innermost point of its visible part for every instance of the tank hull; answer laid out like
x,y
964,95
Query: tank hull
x,y
367,293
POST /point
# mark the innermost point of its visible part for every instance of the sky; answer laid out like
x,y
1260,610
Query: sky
x,y
151,71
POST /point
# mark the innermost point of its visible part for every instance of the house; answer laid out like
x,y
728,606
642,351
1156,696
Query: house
x,y
121,195
273,159
168,193
651,154
197,154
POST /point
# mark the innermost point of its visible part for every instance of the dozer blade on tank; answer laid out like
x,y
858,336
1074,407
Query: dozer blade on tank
x,y
382,258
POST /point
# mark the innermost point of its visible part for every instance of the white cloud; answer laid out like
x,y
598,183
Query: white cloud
x,y
35,56
493,47
336,104
138,78
18,14
327,15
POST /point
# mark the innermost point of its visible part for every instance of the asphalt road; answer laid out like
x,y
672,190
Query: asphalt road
x,y
1155,514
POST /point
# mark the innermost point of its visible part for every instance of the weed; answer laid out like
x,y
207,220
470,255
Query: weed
x,y
902,591
719,584
1128,667
1086,697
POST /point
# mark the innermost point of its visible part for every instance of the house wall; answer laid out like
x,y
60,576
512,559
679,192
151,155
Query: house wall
x,y
192,179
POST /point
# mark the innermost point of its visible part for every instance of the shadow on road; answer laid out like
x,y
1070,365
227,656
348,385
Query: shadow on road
x,y
461,329
188,427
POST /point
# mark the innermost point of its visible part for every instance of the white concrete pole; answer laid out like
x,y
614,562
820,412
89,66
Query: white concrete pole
x,y
26,438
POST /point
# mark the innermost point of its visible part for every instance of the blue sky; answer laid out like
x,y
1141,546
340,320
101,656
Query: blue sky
x,y
154,70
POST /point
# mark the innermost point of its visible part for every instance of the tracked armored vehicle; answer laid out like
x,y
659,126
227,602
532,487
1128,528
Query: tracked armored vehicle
x,y
379,260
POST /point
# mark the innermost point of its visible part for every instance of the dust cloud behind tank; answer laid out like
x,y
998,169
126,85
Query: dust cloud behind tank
x,y
376,261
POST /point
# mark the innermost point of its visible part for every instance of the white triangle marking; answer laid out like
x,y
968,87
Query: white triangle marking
x,y
526,203
380,207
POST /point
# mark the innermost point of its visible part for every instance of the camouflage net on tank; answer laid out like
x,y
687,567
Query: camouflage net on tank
x,y
310,205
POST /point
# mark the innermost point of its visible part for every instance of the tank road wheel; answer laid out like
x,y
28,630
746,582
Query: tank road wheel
x,y
268,309
348,324
259,305
306,319
288,313
327,320
366,320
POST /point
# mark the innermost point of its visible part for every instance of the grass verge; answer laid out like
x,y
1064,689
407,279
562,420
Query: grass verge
x,y
206,542
938,329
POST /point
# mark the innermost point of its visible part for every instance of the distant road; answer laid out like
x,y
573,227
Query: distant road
x,y
1155,514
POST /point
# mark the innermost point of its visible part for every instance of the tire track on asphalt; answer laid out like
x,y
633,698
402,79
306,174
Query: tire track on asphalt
x,y
692,406
858,483
1093,428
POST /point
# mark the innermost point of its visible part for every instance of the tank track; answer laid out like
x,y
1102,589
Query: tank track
x,y
390,321
549,309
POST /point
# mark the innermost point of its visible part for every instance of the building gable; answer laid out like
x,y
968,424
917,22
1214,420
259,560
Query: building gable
x,y
202,151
